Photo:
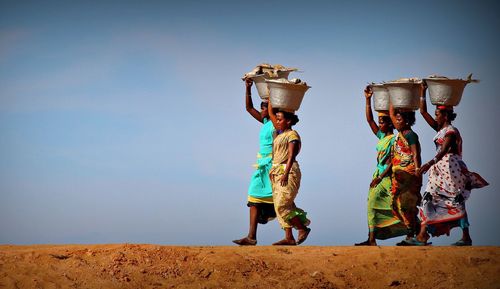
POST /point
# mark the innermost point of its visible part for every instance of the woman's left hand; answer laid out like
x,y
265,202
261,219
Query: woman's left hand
x,y
284,180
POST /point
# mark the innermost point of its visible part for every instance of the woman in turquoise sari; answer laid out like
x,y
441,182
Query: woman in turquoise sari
x,y
382,224
260,194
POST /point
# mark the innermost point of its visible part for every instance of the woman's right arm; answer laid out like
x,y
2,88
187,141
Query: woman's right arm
x,y
249,104
368,110
423,108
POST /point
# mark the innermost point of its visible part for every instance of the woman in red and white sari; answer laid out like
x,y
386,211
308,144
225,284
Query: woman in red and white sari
x,y
449,182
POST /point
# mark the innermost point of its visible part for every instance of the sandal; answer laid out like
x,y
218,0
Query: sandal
x,y
461,243
303,237
245,242
365,243
415,242
285,242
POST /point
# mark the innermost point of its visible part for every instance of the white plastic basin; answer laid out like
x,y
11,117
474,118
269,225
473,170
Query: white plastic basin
x,y
286,96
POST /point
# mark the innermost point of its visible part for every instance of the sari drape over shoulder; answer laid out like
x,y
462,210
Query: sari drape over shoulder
x,y
260,192
405,183
381,219
284,196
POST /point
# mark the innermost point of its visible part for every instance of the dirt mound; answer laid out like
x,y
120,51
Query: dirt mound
x,y
151,266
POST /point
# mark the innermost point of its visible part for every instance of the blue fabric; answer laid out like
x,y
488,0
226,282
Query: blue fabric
x,y
266,137
260,184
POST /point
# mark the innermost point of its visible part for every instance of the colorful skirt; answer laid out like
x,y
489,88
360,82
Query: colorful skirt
x,y
406,198
284,196
381,219
448,187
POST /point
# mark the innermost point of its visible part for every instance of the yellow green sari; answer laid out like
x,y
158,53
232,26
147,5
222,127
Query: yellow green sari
x,y
381,219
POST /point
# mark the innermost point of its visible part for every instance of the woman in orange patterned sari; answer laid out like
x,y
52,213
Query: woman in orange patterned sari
x,y
406,182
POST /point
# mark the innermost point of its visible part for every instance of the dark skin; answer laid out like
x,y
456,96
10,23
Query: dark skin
x,y
283,124
403,127
259,116
449,146
387,130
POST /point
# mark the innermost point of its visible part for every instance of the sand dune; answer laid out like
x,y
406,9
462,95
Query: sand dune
x,y
152,266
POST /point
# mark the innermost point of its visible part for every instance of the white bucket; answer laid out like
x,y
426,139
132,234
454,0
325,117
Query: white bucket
x,y
444,91
286,96
380,97
261,85
404,95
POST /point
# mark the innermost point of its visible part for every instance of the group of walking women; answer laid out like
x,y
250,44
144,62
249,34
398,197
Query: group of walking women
x,y
395,205
276,180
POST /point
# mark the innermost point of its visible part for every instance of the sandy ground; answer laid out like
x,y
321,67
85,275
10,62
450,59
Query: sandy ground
x,y
152,266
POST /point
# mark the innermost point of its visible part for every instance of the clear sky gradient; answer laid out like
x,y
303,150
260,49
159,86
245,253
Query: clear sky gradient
x,y
125,121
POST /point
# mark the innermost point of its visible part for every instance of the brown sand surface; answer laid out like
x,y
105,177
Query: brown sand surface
x,y
154,266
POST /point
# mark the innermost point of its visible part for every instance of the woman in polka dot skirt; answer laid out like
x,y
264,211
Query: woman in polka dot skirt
x,y
449,183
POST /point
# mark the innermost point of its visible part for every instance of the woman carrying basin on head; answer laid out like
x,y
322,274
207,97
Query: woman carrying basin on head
x,y
449,183
285,178
406,182
260,195
382,223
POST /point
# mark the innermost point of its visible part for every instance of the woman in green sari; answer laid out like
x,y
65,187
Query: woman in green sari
x,y
382,224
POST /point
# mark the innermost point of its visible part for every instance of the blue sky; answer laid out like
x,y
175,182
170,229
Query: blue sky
x,y
124,121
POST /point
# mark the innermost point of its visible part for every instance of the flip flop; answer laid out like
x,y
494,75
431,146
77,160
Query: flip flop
x,y
285,242
302,238
245,242
365,243
415,242
412,242
461,243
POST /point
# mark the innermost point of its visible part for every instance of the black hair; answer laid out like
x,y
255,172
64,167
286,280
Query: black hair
x,y
449,114
387,119
408,117
263,104
290,116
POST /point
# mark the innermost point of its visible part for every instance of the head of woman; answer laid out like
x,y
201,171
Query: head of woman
x,y
263,110
444,115
404,120
384,123
285,120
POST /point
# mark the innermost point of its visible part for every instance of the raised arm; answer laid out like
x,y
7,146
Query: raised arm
x,y
368,110
271,113
249,104
423,108
392,114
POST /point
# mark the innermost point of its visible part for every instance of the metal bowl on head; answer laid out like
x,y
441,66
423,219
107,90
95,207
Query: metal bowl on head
x,y
261,85
286,96
404,94
380,97
445,91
